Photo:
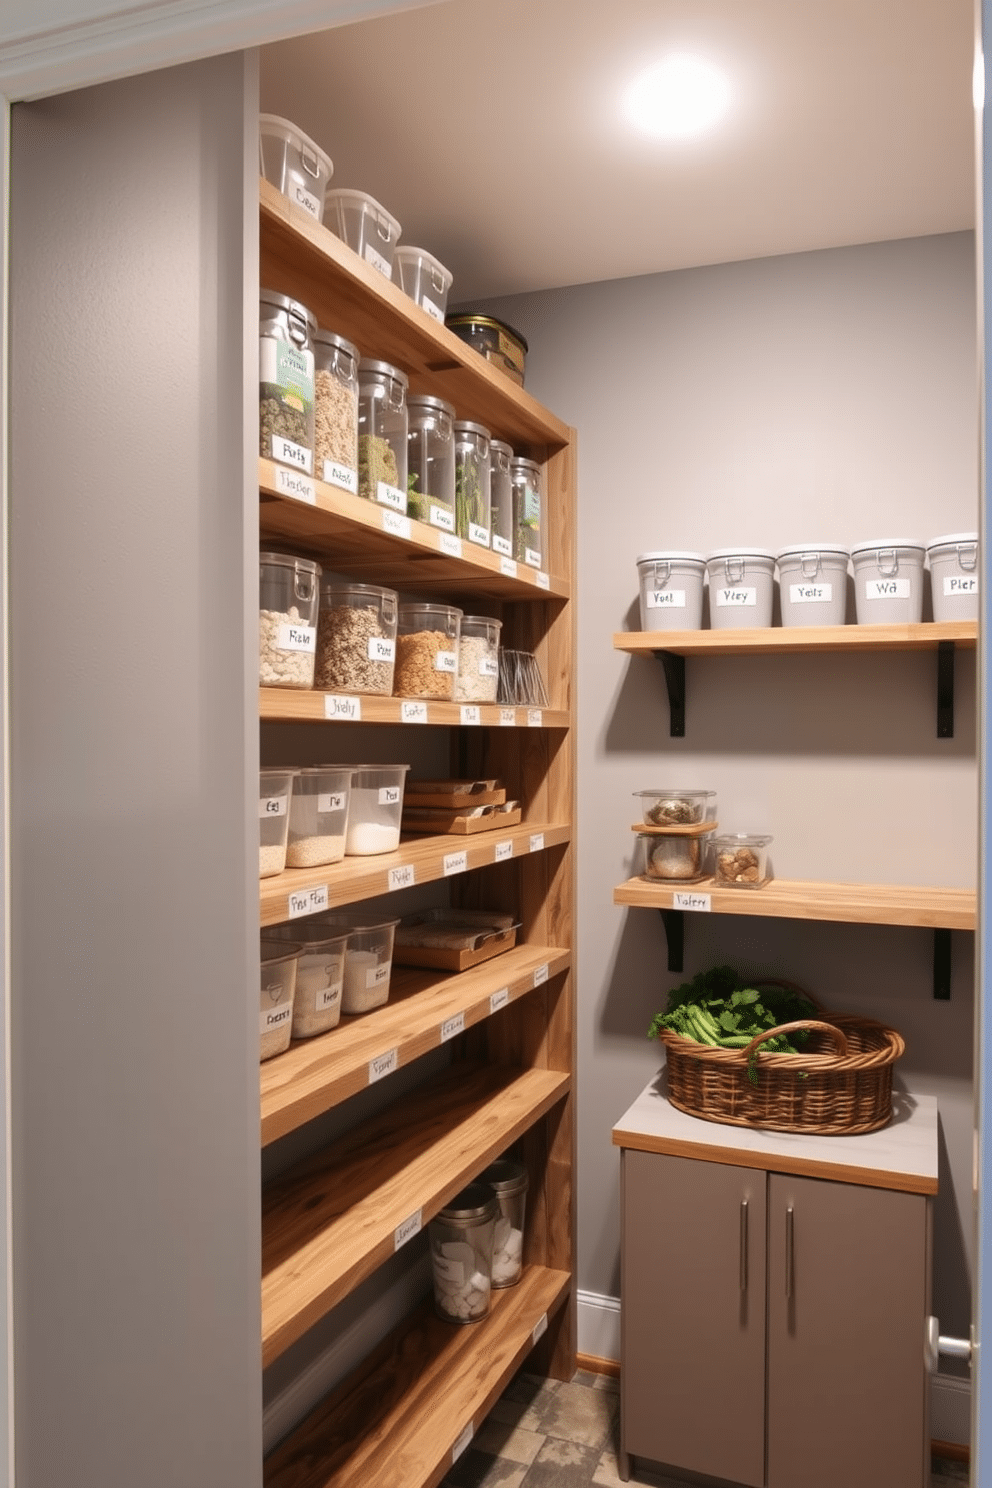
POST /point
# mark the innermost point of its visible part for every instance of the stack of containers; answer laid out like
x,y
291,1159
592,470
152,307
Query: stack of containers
x,y
673,833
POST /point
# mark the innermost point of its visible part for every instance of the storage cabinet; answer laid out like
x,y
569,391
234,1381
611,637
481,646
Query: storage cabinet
x,y
774,1321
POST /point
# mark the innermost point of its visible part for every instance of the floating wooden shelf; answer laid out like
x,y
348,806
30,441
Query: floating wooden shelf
x,y
301,891
426,1008
332,1220
860,904
776,640
406,1413
288,705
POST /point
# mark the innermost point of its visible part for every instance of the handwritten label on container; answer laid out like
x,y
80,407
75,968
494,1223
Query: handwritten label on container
x,y
292,454
297,637
503,545
543,580
340,475
408,1229
462,1442
534,717
399,526
446,661
540,1328
456,862
471,714
306,199
450,545
810,593
388,495
383,1065
349,709
401,878
377,261
507,717
478,534
440,516
272,806
735,599
701,903
434,311
532,558
499,1000
537,842
381,649
376,975
271,1018
331,801
389,795
666,599
508,567
502,852
488,666
307,901
961,584
540,975
289,483
452,1027
887,589
413,712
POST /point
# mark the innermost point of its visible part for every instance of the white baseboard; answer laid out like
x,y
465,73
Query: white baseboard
x,y
599,1338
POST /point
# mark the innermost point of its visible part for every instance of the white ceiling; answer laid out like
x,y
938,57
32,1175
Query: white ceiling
x,y
490,129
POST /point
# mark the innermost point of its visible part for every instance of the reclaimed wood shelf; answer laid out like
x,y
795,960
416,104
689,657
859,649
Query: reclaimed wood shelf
x,y
411,1408
291,705
417,860
332,1220
778,639
801,899
426,1008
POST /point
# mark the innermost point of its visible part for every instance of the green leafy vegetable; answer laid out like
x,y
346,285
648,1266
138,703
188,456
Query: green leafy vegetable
x,y
718,1008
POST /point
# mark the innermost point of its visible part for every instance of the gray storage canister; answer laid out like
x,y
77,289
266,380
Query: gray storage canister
x,y
954,576
888,581
742,582
812,583
671,586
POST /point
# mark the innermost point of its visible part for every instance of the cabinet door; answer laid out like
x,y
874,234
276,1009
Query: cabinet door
x,y
847,1298
693,1315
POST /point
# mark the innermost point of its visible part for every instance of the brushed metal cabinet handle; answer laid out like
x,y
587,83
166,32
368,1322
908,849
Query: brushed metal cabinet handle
x,y
790,1237
743,1245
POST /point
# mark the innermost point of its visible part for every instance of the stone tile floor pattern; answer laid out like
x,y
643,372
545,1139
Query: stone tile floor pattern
x,y
546,1434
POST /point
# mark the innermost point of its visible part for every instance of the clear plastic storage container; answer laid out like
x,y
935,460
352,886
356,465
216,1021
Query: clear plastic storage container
x,y
742,587
677,859
285,381
382,434
318,816
356,638
319,974
335,410
812,582
888,581
501,498
288,598
528,512
293,163
427,651
954,580
275,788
461,1240
368,960
275,998
364,224
374,809
477,679
671,590
676,808
508,1181
740,861
431,461
473,494
420,275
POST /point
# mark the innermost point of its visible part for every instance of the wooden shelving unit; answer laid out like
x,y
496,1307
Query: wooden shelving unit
x,y
856,904
331,1221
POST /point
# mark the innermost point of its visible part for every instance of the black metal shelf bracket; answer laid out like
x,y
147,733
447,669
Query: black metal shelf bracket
x,y
674,923
945,689
675,682
942,965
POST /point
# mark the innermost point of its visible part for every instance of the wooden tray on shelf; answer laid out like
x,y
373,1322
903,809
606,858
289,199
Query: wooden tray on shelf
x,y
458,823
451,795
469,925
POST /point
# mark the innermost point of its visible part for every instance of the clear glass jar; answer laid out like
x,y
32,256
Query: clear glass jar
x,y
472,482
501,498
335,410
382,434
461,1241
528,512
477,680
285,381
431,461
508,1180
427,651
356,638
288,596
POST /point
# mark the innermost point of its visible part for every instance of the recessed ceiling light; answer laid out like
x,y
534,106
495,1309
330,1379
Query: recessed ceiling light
x,y
677,97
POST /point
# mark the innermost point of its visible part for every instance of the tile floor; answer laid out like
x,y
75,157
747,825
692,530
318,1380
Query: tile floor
x,y
545,1434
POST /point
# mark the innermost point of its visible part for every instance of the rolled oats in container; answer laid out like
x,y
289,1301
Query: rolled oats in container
x,y
477,680
356,638
335,410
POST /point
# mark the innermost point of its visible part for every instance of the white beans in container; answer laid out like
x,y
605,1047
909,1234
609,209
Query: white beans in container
x,y
287,620
319,974
368,960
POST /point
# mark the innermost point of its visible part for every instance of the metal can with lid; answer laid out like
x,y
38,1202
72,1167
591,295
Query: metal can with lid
x,y
461,1242
473,488
382,434
508,1180
431,461
335,410
286,382
499,343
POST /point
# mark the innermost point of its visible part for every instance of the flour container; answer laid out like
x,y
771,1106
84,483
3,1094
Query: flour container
x,y
274,793
382,434
293,163
275,998
461,1240
365,225
319,974
812,583
318,816
888,581
368,960
954,579
508,1180
742,584
423,278
671,590
374,809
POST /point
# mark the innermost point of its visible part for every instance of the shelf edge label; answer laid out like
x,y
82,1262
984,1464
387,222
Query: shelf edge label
x,y
503,851
406,1231
291,483
401,878
450,545
452,1027
499,1000
462,1442
507,717
540,974
540,1328
307,901
508,567
543,580
471,714
383,1065
699,903
537,842
456,862
535,717
413,712
338,706
399,526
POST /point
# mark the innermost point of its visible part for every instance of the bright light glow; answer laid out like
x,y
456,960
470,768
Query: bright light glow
x,y
978,81
676,98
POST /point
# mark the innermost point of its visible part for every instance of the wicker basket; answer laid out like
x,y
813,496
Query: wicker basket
x,y
840,1085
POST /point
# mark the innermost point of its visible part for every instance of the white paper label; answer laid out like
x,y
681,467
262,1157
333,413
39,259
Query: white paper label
x,y
666,599
397,525
288,483
488,666
507,717
450,545
306,199
340,475
540,1328
452,1027
329,996
401,878
543,581
413,712
537,842
887,588
499,1000
383,1065
375,976
446,661
292,454
535,717
502,852
461,1443
540,975
456,862
377,261
408,1229
682,899
441,516
297,637
810,593
471,714
532,558
272,806
478,534
337,706
381,649
307,901
388,495
331,801
504,545
390,795
961,584
270,1018
735,599
434,311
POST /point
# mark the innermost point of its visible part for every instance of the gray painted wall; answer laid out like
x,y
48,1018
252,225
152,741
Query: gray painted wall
x,y
821,396
133,534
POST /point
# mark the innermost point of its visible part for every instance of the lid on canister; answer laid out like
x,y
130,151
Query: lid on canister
x,y
291,306
520,462
740,553
952,540
462,426
428,400
812,550
286,130
425,608
468,320
672,555
886,544
287,560
368,368
477,1201
501,447
331,338
271,951
505,1176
